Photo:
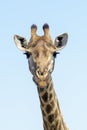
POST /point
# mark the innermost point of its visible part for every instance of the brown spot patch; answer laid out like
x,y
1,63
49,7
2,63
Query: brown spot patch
x,y
51,118
45,97
48,108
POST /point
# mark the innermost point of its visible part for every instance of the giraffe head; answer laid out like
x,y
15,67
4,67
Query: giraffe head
x,y
41,52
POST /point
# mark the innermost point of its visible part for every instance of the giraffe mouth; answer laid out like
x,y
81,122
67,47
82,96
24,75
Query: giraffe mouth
x,y
41,78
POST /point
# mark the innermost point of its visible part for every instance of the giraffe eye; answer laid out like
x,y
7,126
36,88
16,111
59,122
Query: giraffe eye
x,y
55,54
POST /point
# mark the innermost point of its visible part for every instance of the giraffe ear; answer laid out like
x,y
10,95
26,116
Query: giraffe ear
x,y
60,41
21,42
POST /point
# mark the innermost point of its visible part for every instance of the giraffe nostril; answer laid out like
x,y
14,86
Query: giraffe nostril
x,y
40,74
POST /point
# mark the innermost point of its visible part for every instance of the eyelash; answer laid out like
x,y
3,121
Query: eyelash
x,y
55,54
27,55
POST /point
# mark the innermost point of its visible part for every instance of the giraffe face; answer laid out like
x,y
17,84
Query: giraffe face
x,y
41,60
41,51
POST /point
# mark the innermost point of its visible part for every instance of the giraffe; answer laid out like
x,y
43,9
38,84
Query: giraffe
x,y
41,52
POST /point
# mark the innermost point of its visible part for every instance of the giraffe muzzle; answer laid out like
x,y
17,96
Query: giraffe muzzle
x,y
41,75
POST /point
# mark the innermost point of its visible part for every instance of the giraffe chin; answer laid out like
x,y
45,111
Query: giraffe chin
x,y
42,84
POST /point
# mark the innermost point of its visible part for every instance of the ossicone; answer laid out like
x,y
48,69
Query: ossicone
x,y
45,26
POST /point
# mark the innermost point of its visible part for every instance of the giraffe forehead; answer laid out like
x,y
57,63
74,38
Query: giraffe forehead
x,y
40,47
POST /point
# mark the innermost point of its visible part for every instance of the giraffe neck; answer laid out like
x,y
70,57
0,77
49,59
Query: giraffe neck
x,y
51,113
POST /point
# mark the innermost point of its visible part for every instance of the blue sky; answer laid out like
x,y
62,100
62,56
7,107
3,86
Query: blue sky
x,y
19,102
